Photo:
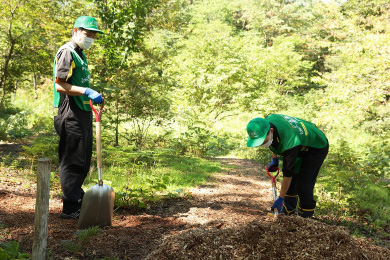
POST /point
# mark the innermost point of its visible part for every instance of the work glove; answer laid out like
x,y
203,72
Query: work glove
x,y
94,95
278,204
273,166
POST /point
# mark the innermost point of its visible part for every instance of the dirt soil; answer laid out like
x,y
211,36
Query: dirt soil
x,y
224,219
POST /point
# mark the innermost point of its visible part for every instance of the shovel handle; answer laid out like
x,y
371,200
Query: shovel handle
x,y
97,113
273,178
98,137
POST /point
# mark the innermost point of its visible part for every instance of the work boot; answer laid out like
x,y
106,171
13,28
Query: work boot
x,y
71,215
290,204
306,210
71,209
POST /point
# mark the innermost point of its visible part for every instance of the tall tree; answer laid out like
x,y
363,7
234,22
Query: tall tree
x,y
31,32
26,44
132,82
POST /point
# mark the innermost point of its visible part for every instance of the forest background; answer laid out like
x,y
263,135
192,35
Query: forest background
x,y
182,78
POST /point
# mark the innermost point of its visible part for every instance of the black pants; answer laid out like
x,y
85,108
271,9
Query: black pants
x,y
302,184
74,126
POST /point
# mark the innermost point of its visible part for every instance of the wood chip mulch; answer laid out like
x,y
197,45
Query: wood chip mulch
x,y
286,238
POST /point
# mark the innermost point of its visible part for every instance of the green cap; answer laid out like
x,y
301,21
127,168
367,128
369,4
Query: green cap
x,y
88,23
257,130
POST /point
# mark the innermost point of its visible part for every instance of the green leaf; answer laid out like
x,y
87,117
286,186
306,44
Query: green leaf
x,y
12,248
4,255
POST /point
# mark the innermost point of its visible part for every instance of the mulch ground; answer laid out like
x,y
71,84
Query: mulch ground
x,y
224,219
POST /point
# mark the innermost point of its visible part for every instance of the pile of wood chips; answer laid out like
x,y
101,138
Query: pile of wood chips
x,y
286,238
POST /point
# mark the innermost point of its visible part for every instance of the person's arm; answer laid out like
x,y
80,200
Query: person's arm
x,y
64,70
289,161
285,185
273,165
65,88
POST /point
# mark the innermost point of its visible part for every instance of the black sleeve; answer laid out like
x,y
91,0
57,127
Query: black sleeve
x,y
64,64
289,161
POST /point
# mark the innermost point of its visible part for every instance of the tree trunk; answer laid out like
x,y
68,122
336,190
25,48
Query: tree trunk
x,y
35,85
117,124
4,72
15,88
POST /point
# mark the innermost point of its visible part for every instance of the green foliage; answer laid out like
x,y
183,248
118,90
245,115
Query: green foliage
x,y
143,178
45,145
365,8
13,124
28,38
153,189
130,73
83,236
71,246
351,187
10,251
199,141
171,15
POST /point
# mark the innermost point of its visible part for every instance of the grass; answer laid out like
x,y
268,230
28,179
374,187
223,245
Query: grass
x,y
83,236
145,177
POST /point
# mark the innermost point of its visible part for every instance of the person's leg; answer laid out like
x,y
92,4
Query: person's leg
x,y
310,167
291,198
75,151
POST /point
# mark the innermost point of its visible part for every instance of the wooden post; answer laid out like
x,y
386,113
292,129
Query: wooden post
x,y
41,209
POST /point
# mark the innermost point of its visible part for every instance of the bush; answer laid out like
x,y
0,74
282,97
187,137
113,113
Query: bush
x,y
45,145
10,251
199,141
14,123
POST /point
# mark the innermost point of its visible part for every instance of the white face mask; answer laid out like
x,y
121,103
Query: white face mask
x,y
84,42
268,144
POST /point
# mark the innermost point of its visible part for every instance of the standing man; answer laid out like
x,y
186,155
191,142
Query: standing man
x,y
303,147
73,122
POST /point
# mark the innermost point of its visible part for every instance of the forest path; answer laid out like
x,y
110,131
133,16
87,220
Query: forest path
x,y
232,202
235,196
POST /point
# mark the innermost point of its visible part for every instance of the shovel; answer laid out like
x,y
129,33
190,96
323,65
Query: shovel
x,y
98,202
274,190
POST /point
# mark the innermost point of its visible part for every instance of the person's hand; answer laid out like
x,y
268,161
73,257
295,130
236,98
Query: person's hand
x,y
278,204
273,166
94,95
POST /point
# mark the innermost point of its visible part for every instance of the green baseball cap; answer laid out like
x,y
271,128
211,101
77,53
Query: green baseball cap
x,y
257,130
88,23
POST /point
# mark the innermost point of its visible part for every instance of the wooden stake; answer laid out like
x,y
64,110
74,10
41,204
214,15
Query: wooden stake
x,y
41,209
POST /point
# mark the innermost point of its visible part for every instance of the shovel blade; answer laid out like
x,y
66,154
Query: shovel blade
x,y
97,207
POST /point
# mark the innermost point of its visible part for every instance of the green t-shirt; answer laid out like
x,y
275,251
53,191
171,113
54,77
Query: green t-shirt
x,y
294,131
295,136
80,77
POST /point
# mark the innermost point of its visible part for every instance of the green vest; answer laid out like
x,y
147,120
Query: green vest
x,y
294,131
80,77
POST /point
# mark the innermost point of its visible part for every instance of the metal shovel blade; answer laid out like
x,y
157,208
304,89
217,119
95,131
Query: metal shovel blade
x,y
97,207
98,202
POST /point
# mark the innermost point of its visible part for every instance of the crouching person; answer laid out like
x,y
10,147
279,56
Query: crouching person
x,y
303,147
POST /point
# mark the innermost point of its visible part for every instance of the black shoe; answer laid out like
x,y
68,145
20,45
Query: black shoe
x,y
74,215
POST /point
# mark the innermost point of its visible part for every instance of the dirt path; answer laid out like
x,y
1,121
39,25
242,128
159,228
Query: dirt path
x,y
232,203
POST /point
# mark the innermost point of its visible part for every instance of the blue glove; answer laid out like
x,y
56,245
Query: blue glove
x,y
273,166
94,95
278,204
